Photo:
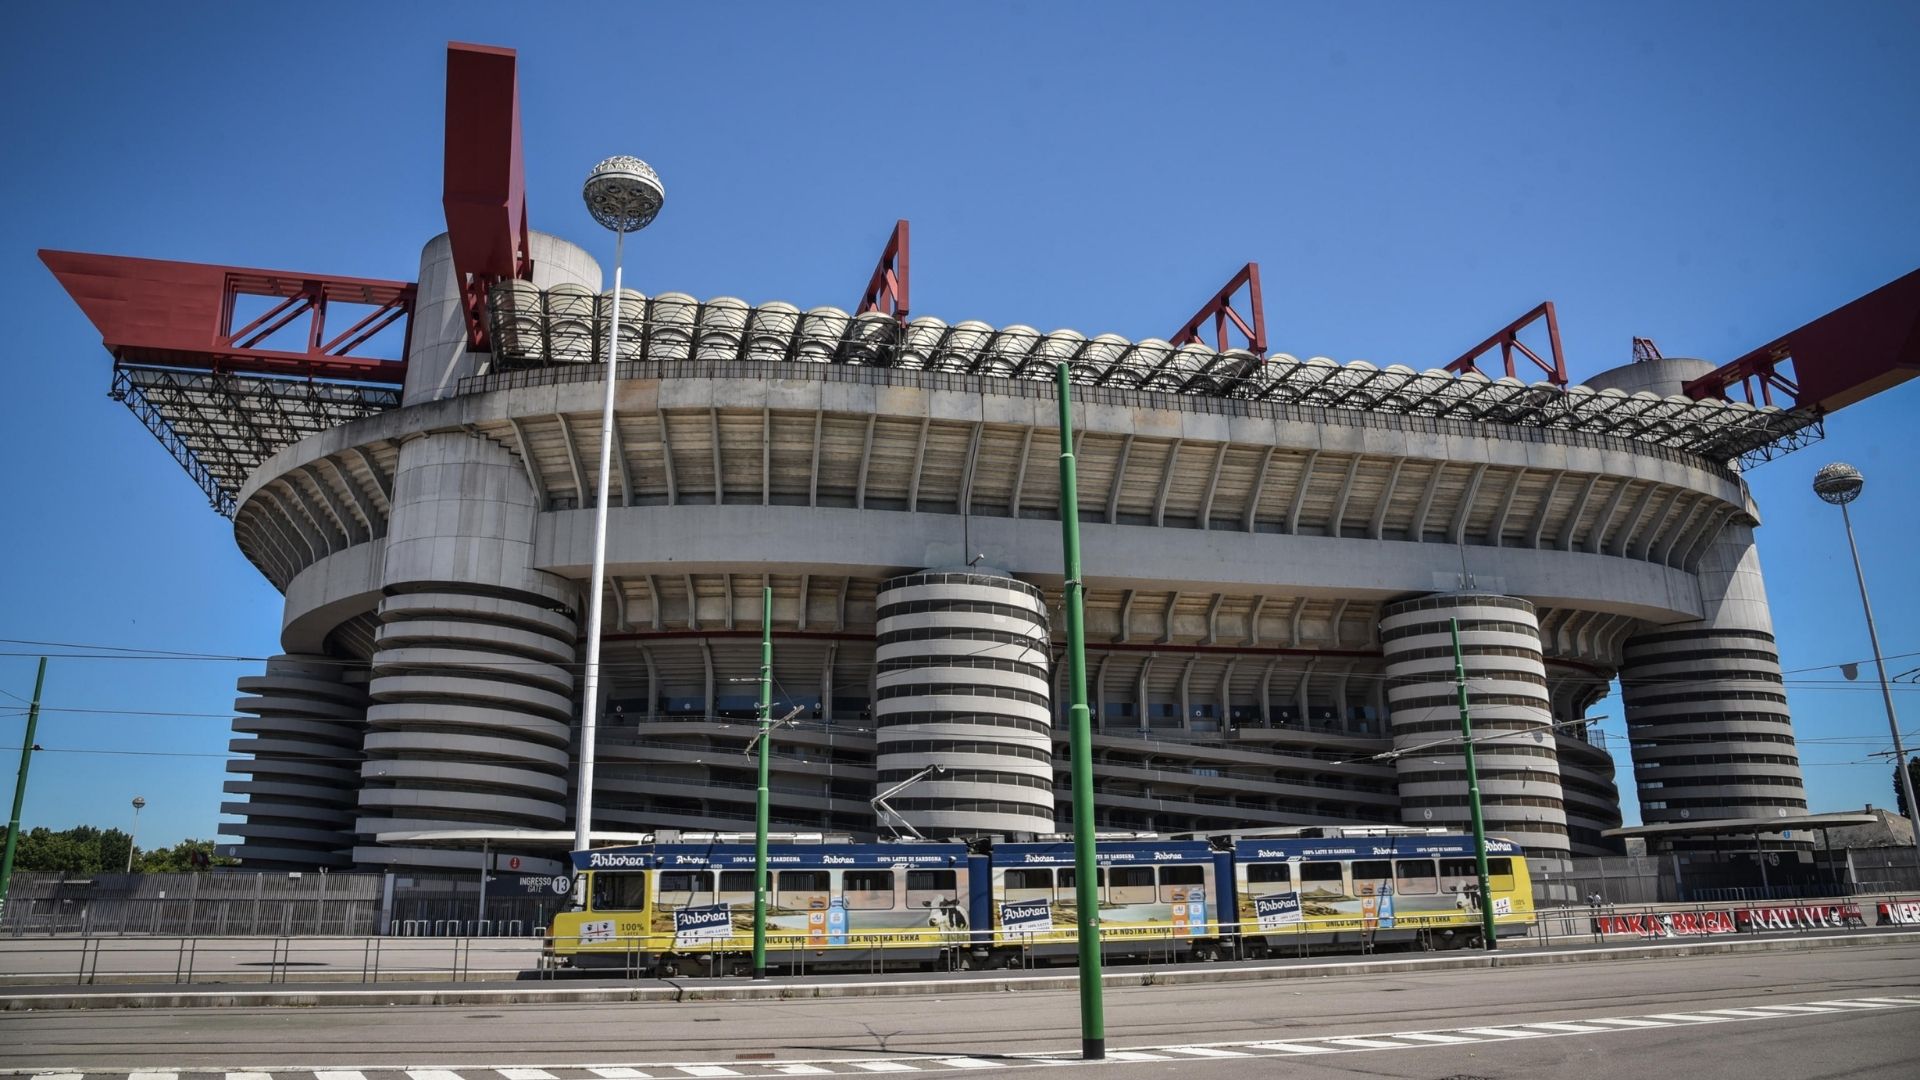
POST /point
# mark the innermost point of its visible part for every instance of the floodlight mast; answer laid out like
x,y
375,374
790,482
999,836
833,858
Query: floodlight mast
x,y
623,194
1840,484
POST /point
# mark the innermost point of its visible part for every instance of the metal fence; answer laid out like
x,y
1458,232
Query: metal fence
x,y
1720,877
256,903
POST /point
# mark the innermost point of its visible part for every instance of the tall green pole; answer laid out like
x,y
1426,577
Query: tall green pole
x,y
20,787
760,797
1473,789
1086,881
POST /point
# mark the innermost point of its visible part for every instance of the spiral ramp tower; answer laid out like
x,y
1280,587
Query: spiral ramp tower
x,y
301,723
962,678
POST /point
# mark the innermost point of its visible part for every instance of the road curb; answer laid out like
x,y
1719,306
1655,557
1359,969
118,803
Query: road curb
x,y
661,991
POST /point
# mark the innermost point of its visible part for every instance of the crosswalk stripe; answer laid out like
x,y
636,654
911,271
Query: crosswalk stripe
x,y
58,1076
525,1074
434,1074
1691,1018
1436,1037
1855,1003
339,1074
1632,1022
708,1070
1501,1033
884,1066
153,1076
1290,1048
969,1063
1748,1014
610,1072
1573,1029
1367,1044
1203,1051
249,1076
1134,1055
800,1068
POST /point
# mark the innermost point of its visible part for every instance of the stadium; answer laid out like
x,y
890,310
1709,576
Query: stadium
x,y
1275,549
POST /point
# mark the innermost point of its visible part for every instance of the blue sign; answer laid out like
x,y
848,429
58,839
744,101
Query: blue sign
x,y
837,922
1027,917
698,927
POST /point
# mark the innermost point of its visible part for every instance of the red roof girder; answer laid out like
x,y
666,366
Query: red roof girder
x,y
484,180
180,314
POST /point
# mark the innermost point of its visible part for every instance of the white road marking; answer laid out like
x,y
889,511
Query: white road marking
x,y
1202,1051
1291,1048
1368,1044
970,1063
610,1072
1571,1029
884,1066
1789,1009
525,1074
1692,1018
799,1068
434,1074
339,1074
707,1070
1744,1014
1891,1000
1134,1055
249,1076
1436,1037
1502,1033
1631,1022
1858,1003
58,1076
153,1076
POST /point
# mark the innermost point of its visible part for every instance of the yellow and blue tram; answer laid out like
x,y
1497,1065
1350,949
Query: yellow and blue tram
x,y
660,906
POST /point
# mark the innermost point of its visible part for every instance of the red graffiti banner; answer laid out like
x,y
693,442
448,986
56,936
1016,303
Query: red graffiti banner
x,y
1800,917
1900,913
1667,924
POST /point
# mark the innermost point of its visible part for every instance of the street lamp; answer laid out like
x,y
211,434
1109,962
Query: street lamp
x,y
1840,484
139,804
623,194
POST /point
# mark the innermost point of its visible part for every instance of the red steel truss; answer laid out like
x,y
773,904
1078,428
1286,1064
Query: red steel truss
x,y
485,179
887,289
1850,353
179,314
1508,338
1221,310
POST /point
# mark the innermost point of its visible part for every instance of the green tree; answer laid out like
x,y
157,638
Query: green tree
x,y
83,849
185,857
1913,777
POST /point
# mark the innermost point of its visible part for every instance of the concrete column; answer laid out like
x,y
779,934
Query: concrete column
x,y
471,722
1706,708
302,721
962,675
1514,748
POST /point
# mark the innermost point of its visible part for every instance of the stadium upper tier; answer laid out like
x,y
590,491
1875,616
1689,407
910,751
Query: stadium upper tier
x,y
568,325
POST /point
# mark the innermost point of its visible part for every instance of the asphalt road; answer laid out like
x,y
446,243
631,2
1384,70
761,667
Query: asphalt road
x,y
1843,1012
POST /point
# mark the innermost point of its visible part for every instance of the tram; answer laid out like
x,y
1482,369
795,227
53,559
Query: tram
x,y
688,904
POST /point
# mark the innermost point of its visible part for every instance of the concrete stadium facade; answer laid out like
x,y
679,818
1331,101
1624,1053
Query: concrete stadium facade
x,y
1272,556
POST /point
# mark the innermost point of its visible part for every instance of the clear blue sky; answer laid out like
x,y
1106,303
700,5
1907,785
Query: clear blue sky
x,y
1410,177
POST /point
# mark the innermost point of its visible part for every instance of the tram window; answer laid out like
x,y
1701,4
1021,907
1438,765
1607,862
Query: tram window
x,y
1371,876
1414,876
685,888
1458,875
619,892
1130,885
867,890
1069,881
1028,883
1176,880
1325,878
1500,874
931,887
801,889
736,887
1270,873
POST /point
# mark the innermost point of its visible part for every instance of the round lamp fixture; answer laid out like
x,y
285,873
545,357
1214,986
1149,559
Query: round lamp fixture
x,y
624,194
1838,483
